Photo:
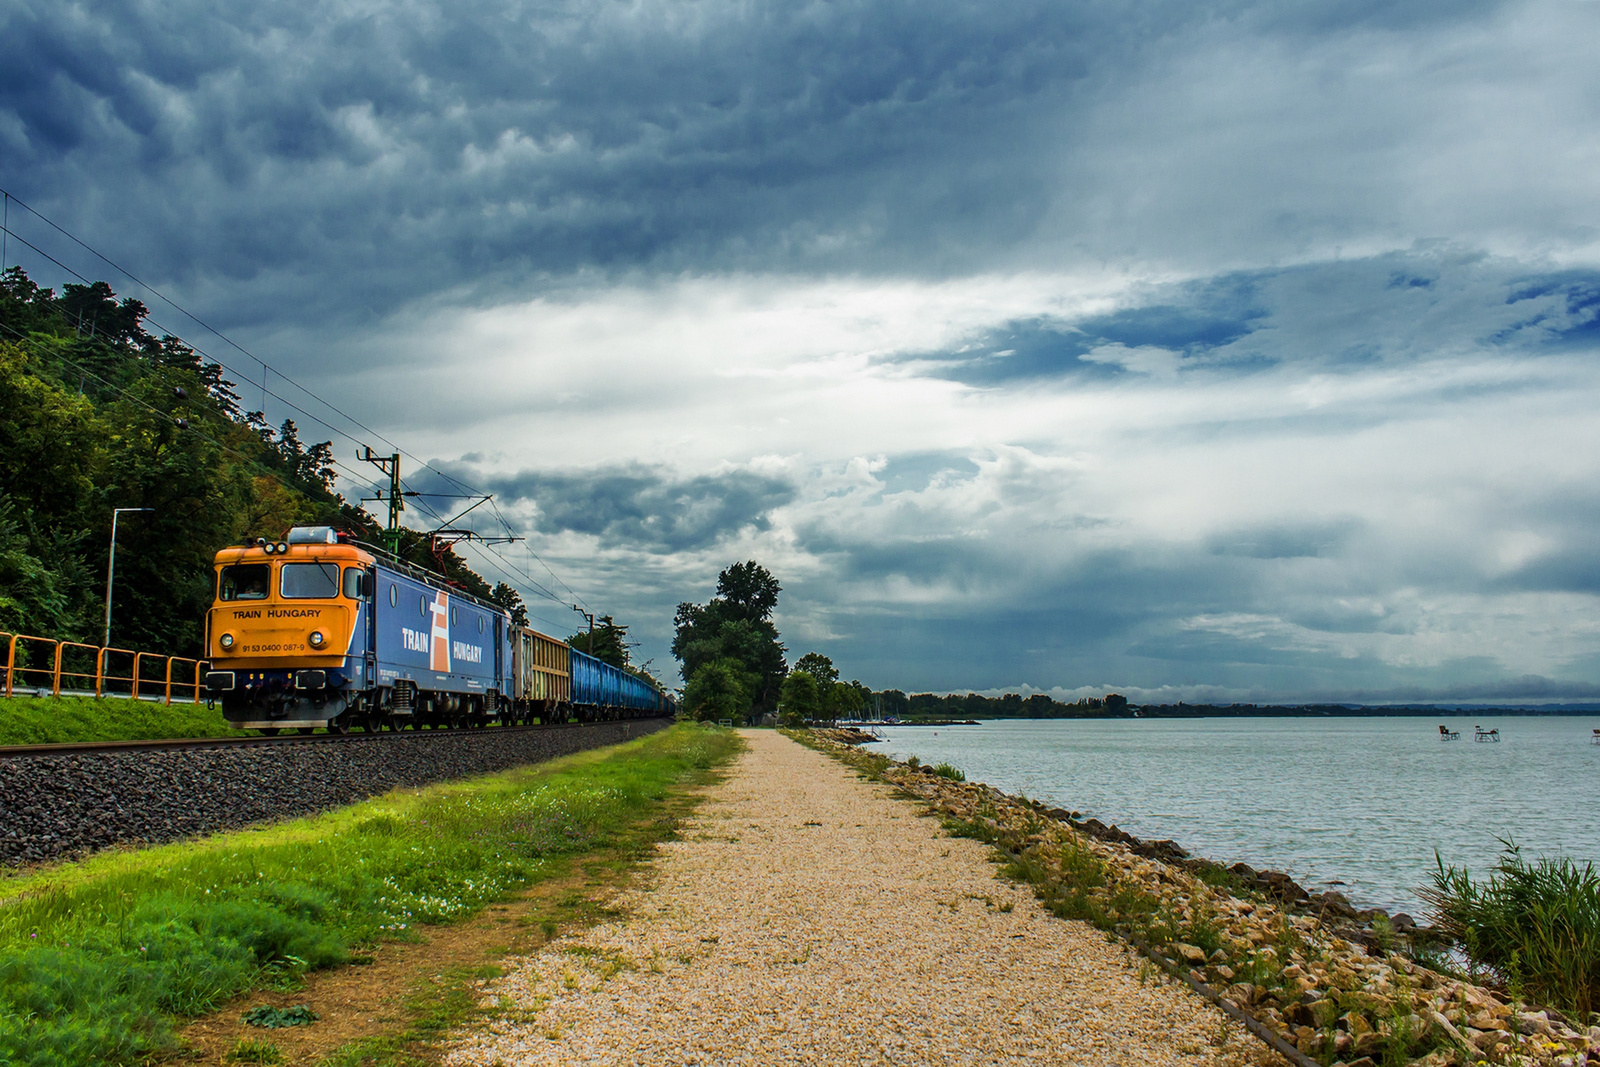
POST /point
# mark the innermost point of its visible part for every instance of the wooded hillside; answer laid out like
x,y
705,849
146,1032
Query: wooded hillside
x,y
96,414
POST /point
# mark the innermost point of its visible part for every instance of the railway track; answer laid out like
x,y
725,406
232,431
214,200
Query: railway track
x,y
73,799
102,748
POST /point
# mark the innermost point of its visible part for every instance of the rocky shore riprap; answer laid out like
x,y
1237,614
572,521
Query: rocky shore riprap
x,y
1330,979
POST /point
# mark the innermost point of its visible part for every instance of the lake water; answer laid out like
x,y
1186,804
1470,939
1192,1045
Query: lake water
x,y
1358,800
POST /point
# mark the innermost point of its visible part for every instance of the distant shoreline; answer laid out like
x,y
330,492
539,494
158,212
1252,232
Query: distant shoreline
x,y
1254,711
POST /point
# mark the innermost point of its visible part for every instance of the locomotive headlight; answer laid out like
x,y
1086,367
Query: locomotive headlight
x,y
226,641
317,639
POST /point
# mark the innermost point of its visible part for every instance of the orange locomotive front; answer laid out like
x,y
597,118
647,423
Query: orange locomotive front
x,y
287,633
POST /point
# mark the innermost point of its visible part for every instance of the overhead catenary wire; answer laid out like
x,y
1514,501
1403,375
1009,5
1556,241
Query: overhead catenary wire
x,y
198,350
467,490
265,367
542,591
232,450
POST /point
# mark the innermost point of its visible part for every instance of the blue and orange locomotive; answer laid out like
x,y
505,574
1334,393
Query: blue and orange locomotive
x,y
316,631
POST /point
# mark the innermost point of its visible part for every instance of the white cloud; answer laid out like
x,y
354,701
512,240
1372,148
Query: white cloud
x,y
1027,346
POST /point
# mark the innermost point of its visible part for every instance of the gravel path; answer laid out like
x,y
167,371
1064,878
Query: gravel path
x,y
807,918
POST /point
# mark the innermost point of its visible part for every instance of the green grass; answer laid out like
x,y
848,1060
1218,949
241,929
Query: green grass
x,y
950,771
1534,926
98,957
250,1050
59,720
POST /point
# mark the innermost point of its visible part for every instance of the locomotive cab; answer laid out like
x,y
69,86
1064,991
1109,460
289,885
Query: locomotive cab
x,y
288,631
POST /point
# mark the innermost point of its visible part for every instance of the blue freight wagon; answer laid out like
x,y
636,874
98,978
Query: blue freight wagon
x,y
600,686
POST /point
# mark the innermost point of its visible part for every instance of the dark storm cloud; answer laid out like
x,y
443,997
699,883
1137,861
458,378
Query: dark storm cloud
x,y
1195,320
1395,308
338,160
647,508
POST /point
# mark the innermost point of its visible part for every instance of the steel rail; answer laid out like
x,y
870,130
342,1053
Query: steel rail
x,y
178,744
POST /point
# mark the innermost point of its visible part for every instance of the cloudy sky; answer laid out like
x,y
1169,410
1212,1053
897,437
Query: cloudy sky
x,y
1231,351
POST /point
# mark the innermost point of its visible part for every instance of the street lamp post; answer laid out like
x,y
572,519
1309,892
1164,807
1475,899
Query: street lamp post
x,y
111,566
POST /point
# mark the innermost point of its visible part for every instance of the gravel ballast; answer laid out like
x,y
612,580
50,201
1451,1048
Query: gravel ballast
x,y
65,805
807,917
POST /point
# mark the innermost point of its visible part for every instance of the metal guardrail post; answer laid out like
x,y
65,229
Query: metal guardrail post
x,y
198,663
84,676
102,673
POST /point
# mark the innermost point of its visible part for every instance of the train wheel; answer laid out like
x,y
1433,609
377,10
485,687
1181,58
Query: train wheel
x,y
339,725
307,730
269,731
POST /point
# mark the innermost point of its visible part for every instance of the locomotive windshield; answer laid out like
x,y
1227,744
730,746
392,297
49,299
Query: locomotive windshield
x,y
244,581
310,581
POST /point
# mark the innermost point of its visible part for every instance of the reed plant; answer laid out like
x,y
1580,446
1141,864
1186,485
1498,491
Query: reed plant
x,y
1534,925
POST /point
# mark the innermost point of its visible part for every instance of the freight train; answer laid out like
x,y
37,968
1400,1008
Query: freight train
x,y
319,631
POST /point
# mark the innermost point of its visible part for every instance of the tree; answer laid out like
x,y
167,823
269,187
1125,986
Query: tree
x,y
819,667
606,643
801,701
719,690
844,700
507,597
749,590
96,414
311,465
735,625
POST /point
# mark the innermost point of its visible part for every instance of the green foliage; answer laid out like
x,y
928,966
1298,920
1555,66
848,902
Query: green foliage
x,y
1535,923
819,667
1008,706
749,590
835,699
719,690
950,771
96,957
273,1018
507,597
98,414
735,625
800,700
846,699
59,720
606,642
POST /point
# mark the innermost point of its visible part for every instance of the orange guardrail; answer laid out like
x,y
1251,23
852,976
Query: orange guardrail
x,y
75,662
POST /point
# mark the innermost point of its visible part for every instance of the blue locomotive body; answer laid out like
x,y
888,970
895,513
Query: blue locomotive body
x,y
435,651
